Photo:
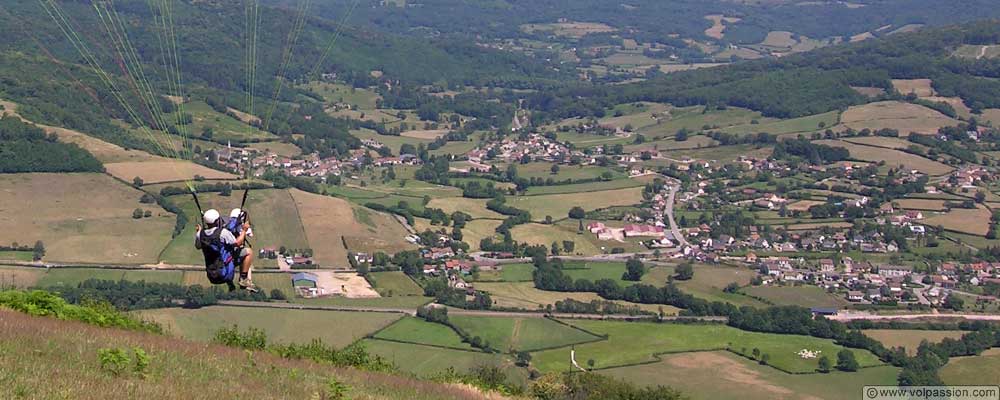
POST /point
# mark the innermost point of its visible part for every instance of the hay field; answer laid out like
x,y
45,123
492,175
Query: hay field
x,y
558,205
921,204
804,205
904,117
281,325
569,29
891,157
881,141
974,370
805,296
789,126
524,334
525,295
474,207
910,339
279,148
955,102
781,39
869,91
920,87
584,244
340,93
224,126
972,221
81,218
668,68
19,278
476,231
717,29
425,134
329,222
992,115
698,375
163,171
428,361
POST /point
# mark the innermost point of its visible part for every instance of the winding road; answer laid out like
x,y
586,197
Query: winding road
x,y
670,216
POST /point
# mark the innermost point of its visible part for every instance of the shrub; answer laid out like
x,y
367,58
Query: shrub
x,y
114,360
252,339
45,304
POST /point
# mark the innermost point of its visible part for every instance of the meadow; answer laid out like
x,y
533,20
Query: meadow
x,y
19,278
891,157
85,218
75,276
337,328
474,207
417,331
16,255
164,171
558,205
522,334
904,117
587,187
805,296
807,124
698,375
910,339
543,170
525,295
972,370
921,204
696,119
583,244
637,342
508,273
224,127
969,221
395,283
340,93
428,361
708,282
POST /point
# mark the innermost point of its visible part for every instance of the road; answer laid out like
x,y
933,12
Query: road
x,y
670,216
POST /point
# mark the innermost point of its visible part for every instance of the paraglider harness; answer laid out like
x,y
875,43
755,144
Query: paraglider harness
x,y
220,258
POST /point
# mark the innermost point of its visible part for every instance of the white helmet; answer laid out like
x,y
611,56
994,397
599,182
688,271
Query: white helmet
x,y
211,216
235,213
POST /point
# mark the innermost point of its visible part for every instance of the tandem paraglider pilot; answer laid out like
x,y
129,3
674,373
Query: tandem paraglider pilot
x,y
221,249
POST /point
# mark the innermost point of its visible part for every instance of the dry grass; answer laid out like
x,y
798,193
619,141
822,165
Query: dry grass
x,y
804,205
891,157
972,221
524,295
81,218
910,339
806,227
474,207
279,148
668,68
717,29
330,221
992,115
920,87
904,117
425,134
955,102
779,39
921,204
244,117
163,170
48,358
869,91
19,278
881,141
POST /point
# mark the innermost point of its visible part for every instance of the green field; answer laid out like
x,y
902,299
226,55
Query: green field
x,y
543,170
524,334
395,283
708,283
525,295
975,370
281,325
509,273
593,271
75,276
16,255
273,214
637,342
694,119
387,302
805,296
558,205
585,187
342,93
910,339
224,126
394,142
266,281
723,375
789,126
418,331
427,361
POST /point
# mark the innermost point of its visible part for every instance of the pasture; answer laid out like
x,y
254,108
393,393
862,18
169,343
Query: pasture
x,y
882,141
417,331
583,244
395,283
919,87
525,295
697,119
974,370
571,29
991,115
623,183
894,158
543,170
224,127
427,361
81,218
393,142
477,230
910,339
164,171
971,221
669,68
74,276
523,334
337,328
921,204
724,375
904,117
636,342
274,217
329,222
558,205
806,124
266,281
805,296
508,273
474,207
340,93
16,255
708,282
279,148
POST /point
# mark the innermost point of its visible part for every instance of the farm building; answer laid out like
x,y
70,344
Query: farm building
x,y
304,280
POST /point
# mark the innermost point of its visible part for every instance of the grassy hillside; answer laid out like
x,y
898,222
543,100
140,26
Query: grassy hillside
x,y
48,358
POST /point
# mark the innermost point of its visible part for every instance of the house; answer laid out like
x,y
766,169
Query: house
x,y
895,271
855,295
914,214
298,260
633,230
458,265
268,252
304,280
438,253
826,265
363,258
595,227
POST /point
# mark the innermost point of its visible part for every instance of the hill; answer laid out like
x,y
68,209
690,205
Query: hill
x,y
49,358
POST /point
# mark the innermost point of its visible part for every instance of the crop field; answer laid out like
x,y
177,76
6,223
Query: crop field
x,y
286,326
891,157
904,117
972,370
636,342
474,207
622,183
525,295
395,283
329,221
428,361
920,87
19,278
789,126
921,204
340,93
417,331
971,221
273,214
910,339
805,296
164,171
16,255
708,282
81,218
523,334
698,375
508,273
558,205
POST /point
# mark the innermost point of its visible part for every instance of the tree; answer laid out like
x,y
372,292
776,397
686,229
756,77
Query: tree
x,y
555,248
685,272
554,169
137,182
954,302
577,213
137,213
39,251
765,358
634,269
755,354
980,196
846,361
682,135
824,364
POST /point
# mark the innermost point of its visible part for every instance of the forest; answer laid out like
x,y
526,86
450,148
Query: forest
x,y
26,148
